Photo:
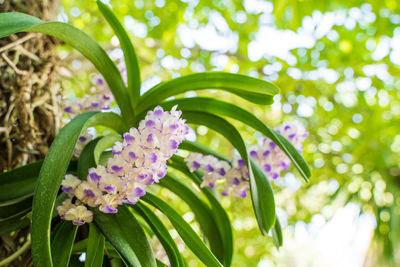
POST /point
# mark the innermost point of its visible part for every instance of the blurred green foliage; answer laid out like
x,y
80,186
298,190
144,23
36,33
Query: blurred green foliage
x,y
337,64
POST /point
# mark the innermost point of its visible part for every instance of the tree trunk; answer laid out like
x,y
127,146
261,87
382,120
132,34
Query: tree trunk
x,y
29,93
30,103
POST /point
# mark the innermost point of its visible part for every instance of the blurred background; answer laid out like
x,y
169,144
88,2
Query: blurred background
x,y
337,63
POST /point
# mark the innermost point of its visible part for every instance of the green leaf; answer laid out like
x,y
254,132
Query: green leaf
x,y
188,235
20,183
21,173
131,60
18,208
18,22
161,264
18,190
220,215
126,234
200,148
252,89
95,247
50,177
62,242
277,234
162,234
12,224
104,143
263,204
86,159
215,106
262,198
201,211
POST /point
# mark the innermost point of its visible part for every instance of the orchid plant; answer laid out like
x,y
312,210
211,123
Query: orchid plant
x,y
105,185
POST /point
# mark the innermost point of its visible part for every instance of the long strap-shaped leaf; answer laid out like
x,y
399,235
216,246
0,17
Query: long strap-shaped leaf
x,y
260,189
218,212
121,229
168,243
50,177
62,242
12,193
201,211
215,106
131,60
126,234
86,159
252,89
18,22
277,234
95,247
188,235
200,148
103,144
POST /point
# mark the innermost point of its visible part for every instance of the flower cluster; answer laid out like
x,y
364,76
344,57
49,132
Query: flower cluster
x,y
215,170
270,157
138,161
81,143
100,98
266,154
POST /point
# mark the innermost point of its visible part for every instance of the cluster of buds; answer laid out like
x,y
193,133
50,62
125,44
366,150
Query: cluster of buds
x,y
82,142
100,98
234,176
215,170
138,161
270,157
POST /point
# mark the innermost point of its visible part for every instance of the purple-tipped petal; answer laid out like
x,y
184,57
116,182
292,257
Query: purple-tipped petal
x,y
158,112
139,192
150,123
209,168
78,223
243,194
88,193
150,181
129,138
116,168
267,167
110,188
94,176
109,209
235,181
266,153
253,154
150,138
173,144
67,189
153,157
196,165
142,175
132,155
173,127
272,145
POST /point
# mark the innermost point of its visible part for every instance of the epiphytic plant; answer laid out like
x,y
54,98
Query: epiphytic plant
x,y
109,187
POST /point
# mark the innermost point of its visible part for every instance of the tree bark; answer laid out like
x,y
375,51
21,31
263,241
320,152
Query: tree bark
x,y
30,104
30,111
